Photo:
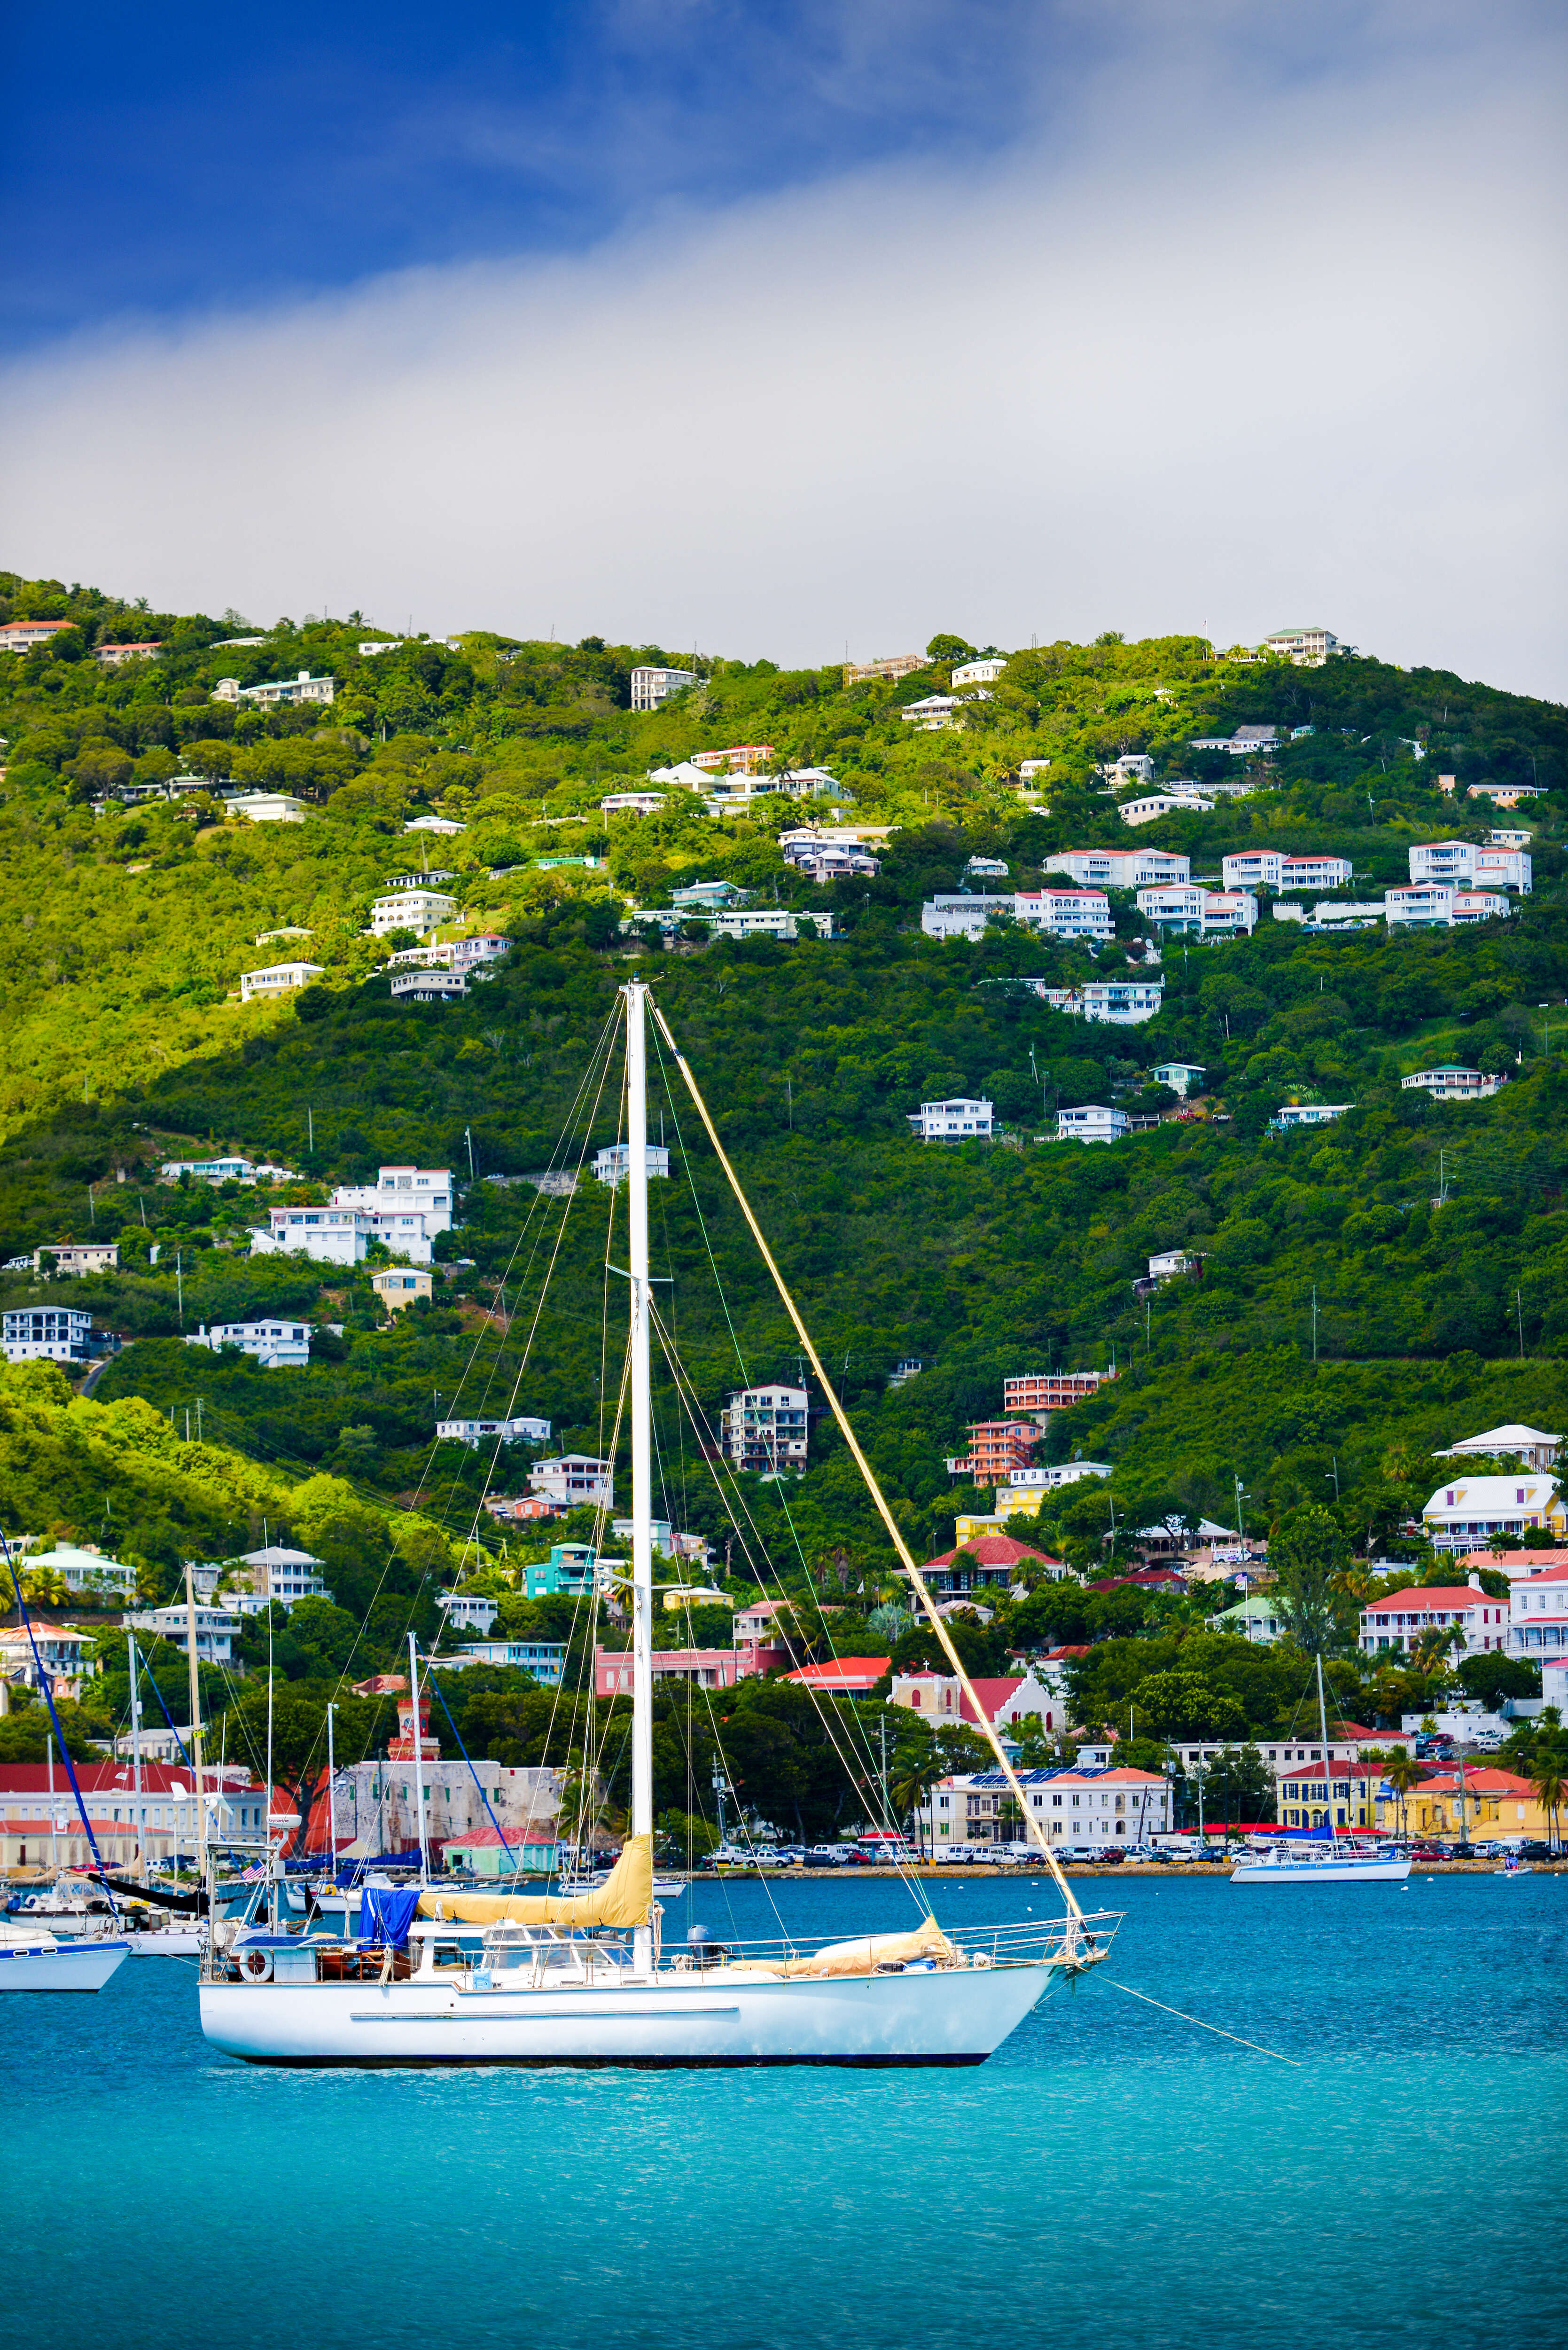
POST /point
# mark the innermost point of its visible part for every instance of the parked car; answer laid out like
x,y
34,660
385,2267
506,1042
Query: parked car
x,y
825,1855
1427,1852
1536,1850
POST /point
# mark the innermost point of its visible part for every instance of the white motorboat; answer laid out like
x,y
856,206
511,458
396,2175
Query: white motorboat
x,y
505,1978
32,1959
1301,1865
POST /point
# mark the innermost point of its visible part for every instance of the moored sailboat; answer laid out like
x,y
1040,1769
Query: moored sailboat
x,y
585,1978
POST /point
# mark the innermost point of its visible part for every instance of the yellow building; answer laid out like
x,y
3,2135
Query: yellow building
x,y
400,1286
1490,1803
1306,1796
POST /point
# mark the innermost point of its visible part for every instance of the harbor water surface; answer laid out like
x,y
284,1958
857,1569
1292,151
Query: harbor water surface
x,y
1113,2175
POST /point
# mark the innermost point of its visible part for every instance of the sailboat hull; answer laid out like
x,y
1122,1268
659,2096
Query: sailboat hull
x,y
944,2017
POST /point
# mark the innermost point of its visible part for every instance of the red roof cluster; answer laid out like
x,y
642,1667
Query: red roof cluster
x,y
994,1550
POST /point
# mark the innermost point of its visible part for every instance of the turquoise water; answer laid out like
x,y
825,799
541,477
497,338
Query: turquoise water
x,y
1112,2173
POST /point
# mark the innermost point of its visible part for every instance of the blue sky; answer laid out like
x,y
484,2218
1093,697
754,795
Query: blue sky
x,y
777,328
164,161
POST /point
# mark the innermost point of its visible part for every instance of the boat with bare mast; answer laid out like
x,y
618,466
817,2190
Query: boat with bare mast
x,y
1308,1859
584,1979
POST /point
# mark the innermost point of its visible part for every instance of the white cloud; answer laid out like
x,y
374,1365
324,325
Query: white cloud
x,y
1295,362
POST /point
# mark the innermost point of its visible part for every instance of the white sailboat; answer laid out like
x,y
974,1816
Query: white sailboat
x,y
32,1959
1319,1863
563,1978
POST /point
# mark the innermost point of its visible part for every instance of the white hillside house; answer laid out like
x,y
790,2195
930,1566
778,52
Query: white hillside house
x,y
1460,1515
957,1121
278,979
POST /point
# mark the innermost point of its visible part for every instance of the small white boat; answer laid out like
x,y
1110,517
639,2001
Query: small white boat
x,y
32,1959
1298,1865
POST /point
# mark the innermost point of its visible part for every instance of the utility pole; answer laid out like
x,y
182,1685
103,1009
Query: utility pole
x,y
179,1284
468,1138
1334,1473
1314,1321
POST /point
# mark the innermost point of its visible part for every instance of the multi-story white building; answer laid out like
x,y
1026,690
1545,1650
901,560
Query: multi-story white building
x,y
418,910
1308,648
468,1611
405,1208
632,804
327,1235
115,656
1094,1123
429,987
1183,1077
1066,913
613,1163
1122,1002
956,1120
1469,864
1434,905
573,1482
1155,805
280,1344
217,1627
1074,1807
1121,868
650,686
1132,767
827,861
84,1569
1451,1083
1402,1620
49,1334
26,635
519,1429
1460,1515
983,671
258,1578
427,1190
764,1429
302,688
934,711
1278,869
1537,1616
278,979
1186,906
1537,1448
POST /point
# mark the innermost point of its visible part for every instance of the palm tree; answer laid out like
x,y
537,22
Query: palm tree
x,y
1402,1770
1547,1780
913,1782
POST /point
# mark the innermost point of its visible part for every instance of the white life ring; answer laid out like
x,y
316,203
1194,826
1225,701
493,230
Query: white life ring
x,y
257,1964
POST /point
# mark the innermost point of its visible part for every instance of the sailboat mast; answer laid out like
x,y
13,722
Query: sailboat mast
x,y
196,1720
419,1753
641,1438
1327,1753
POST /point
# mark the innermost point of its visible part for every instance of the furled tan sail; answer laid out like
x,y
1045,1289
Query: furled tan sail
x,y
624,1898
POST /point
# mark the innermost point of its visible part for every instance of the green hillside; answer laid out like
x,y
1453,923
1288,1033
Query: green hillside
x,y
1342,1326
